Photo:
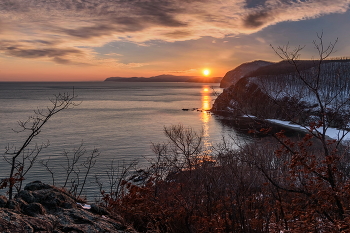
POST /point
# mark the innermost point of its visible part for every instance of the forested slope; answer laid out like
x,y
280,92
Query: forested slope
x,y
277,91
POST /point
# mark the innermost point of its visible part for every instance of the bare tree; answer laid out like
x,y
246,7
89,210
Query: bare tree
x,y
289,185
76,170
185,145
117,174
313,163
327,84
33,125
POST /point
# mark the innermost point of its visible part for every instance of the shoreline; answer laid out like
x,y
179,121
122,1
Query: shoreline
x,y
332,133
245,122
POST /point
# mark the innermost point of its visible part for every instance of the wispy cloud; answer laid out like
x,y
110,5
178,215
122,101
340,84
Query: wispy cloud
x,y
40,49
66,31
189,71
275,11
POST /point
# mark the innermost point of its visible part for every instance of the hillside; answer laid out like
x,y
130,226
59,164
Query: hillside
x,y
276,92
167,78
233,76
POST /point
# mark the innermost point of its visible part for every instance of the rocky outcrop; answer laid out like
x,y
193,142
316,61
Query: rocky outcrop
x,y
276,91
43,208
240,71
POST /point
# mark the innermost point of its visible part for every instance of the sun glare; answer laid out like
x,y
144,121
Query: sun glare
x,y
206,72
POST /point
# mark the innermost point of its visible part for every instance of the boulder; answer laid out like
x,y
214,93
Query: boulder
x,y
26,196
33,209
36,185
3,201
44,208
99,210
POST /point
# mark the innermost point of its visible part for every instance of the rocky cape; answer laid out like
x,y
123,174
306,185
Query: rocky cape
x,y
44,208
166,78
233,76
274,90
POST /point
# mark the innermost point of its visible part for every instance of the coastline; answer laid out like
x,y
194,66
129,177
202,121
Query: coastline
x,y
332,133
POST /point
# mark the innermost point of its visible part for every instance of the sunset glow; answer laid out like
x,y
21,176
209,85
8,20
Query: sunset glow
x,y
175,116
94,40
206,72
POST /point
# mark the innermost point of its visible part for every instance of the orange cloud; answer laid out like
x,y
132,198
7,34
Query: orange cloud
x,y
68,32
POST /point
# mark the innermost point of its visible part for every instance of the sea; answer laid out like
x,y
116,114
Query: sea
x,y
120,119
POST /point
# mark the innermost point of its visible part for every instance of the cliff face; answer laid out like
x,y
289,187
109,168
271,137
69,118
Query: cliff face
x,y
276,91
240,71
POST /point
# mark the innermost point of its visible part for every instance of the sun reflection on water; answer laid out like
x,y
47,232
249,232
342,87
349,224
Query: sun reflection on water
x,y
205,116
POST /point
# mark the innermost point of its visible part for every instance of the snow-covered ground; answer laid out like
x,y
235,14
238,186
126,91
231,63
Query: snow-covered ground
x,y
331,132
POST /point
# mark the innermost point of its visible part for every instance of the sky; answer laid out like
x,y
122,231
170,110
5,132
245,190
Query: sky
x,y
91,40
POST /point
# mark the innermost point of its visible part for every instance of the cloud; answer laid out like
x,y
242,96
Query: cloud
x,y
160,13
261,40
255,3
39,42
179,71
257,19
28,49
178,34
67,32
125,17
37,53
275,11
61,61
89,32
113,54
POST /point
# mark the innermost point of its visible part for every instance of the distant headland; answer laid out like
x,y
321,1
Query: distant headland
x,y
167,78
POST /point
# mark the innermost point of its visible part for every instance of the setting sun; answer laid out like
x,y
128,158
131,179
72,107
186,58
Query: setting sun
x,y
206,72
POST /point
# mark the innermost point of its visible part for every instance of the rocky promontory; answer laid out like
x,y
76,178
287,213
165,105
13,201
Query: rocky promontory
x,y
44,208
233,76
287,91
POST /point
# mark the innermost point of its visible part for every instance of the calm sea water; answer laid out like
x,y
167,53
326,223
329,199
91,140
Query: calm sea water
x,y
121,120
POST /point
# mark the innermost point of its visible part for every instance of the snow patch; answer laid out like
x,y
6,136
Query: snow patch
x,y
332,133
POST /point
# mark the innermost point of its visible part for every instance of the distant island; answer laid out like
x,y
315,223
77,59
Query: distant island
x,y
167,78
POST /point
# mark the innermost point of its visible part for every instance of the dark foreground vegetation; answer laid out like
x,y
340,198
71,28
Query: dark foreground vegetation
x,y
276,184
293,186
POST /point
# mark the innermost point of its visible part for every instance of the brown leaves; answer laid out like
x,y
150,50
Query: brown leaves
x,y
291,187
10,182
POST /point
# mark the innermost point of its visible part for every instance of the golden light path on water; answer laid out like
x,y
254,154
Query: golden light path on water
x,y
205,116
